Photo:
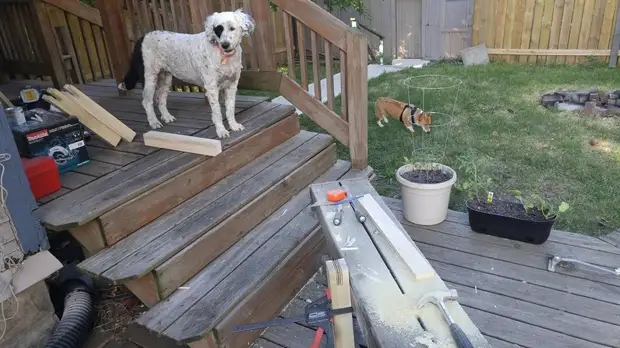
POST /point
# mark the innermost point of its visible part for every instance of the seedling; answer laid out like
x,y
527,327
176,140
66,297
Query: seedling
x,y
536,202
473,178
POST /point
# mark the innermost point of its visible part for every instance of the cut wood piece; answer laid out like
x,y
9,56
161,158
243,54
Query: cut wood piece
x,y
4,100
101,114
403,246
340,289
67,103
183,143
145,289
89,236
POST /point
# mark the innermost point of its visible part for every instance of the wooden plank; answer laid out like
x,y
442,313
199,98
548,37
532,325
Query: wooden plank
x,y
145,288
414,260
386,312
183,143
89,236
301,49
607,27
290,336
116,36
118,187
598,332
73,180
190,207
44,30
357,94
263,33
133,147
166,313
155,202
340,290
612,238
78,9
510,24
616,39
329,63
96,168
537,27
189,261
280,254
91,49
101,114
315,65
526,32
597,23
169,242
316,18
314,109
547,29
112,156
260,80
501,24
53,196
586,25
290,54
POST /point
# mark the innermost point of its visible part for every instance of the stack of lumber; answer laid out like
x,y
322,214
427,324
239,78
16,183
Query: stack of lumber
x,y
72,101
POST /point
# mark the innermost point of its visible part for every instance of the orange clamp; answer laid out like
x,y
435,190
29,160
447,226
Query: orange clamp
x,y
336,195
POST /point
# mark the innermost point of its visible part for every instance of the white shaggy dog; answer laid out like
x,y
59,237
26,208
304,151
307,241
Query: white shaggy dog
x,y
211,59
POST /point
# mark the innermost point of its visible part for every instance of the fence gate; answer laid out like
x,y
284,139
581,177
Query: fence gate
x,y
445,27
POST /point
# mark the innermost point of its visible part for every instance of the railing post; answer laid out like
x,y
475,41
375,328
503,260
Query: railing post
x,y
357,98
47,43
263,40
116,36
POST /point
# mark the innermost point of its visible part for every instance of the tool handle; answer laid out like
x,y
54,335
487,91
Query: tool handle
x,y
462,341
338,218
318,337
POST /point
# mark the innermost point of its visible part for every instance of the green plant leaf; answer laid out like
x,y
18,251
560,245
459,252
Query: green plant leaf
x,y
563,207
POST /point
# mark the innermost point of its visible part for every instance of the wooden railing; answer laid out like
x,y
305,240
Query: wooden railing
x,y
62,39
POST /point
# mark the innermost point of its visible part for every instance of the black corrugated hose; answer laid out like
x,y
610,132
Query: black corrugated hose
x,y
76,318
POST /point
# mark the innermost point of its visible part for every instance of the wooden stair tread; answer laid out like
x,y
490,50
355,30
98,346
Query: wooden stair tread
x,y
209,297
150,246
100,196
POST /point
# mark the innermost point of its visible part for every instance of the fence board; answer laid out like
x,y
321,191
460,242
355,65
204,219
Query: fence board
x,y
526,30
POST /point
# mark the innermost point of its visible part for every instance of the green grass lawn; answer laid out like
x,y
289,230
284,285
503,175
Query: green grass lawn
x,y
498,115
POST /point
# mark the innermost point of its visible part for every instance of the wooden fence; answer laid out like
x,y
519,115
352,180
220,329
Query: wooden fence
x,y
562,31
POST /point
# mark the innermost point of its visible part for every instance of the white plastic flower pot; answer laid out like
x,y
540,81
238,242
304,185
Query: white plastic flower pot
x,y
425,204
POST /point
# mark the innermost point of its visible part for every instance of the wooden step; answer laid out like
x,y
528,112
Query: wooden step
x,y
252,281
108,209
164,254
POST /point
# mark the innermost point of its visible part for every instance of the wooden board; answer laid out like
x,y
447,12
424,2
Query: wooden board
x,y
151,204
158,319
396,237
340,290
183,143
385,294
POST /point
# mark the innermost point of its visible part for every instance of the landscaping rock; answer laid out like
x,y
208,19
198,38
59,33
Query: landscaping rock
x,y
569,107
613,110
592,109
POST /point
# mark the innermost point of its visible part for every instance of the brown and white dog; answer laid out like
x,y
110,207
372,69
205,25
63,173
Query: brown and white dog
x,y
408,114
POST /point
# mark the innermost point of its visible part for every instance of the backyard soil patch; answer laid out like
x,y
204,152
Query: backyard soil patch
x,y
424,176
508,209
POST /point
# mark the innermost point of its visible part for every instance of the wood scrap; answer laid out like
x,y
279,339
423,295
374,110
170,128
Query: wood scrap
x,y
66,102
340,289
184,143
101,114
4,100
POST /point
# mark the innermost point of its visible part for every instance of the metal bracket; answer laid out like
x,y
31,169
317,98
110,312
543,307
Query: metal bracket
x,y
555,260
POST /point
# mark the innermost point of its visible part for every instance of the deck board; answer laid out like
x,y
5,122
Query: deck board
x,y
119,173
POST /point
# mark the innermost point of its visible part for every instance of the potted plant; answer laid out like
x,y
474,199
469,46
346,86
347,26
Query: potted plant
x,y
526,218
425,190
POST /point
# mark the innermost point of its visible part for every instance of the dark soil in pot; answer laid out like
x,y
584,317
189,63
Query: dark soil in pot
x,y
427,176
508,220
508,209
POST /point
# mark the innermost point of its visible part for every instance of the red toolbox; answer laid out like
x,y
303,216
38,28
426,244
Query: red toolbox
x,y
43,175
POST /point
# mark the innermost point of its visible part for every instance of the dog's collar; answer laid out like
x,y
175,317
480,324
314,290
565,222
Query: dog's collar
x,y
413,111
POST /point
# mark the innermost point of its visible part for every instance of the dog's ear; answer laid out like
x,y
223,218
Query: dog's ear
x,y
246,22
209,21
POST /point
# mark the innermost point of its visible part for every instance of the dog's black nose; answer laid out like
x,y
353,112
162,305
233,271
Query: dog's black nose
x,y
225,44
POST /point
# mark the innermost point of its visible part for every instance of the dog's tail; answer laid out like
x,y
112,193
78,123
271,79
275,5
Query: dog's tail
x,y
136,68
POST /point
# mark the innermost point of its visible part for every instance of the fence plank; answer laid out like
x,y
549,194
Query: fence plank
x,y
536,27
526,29
501,23
556,27
475,33
586,26
290,54
546,27
608,24
302,55
51,54
263,34
575,28
491,22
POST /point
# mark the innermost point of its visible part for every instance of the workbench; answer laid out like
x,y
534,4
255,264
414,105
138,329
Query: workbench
x,y
385,286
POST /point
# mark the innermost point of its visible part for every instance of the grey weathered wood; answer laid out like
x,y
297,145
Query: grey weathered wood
x,y
149,256
387,314
53,196
133,147
291,336
96,168
73,180
590,330
535,256
20,201
262,343
612,238
165,313
102,195
463,274
203,315
116,253
112,156
613,57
